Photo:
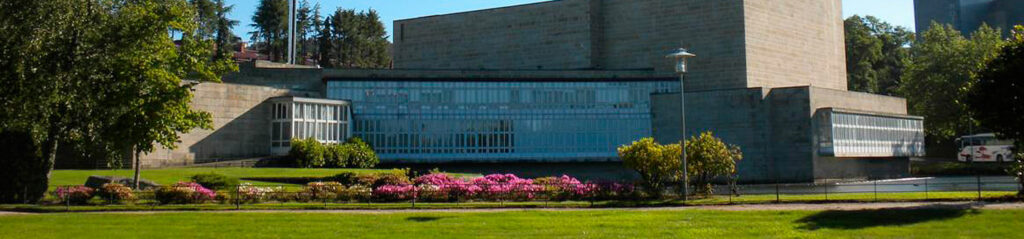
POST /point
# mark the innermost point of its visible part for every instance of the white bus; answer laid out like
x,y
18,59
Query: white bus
x,y
984,148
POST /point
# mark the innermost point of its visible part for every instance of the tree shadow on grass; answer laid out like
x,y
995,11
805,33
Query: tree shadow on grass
x,y
423,219
860,219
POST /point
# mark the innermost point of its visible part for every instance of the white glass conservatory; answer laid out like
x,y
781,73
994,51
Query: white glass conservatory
x,y
296,117
852,134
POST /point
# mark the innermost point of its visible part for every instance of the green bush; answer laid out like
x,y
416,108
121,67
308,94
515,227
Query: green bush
x,y
346,178
361,155
337,155
307,153
215,181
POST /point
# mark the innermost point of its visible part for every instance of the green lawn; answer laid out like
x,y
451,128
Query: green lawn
x,y
922,223
173,175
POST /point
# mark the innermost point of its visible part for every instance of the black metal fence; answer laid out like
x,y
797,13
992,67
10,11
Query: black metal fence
x,y
585,194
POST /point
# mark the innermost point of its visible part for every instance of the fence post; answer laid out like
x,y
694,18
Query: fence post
x,y
978,177
926,189
826,189
876,190
238,197
777,199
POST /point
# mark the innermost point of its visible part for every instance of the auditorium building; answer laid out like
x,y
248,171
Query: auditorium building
x,y
572,80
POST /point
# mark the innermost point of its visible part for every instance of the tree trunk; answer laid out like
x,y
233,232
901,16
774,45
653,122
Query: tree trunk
x,y
138,169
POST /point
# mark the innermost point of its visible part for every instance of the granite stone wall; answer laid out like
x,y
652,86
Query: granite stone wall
x,y
241,126
739,43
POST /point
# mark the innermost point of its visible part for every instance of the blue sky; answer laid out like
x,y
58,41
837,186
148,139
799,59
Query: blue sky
x,y
898,12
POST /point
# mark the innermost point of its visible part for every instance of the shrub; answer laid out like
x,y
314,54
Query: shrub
x,y
117,193
395,192
336,155
506,187
215,181
74,194
658,165
307,153
392,178
360,154
184,193
346,178
708,158
565,188
355,193
249,193
615,191
441,187
323,190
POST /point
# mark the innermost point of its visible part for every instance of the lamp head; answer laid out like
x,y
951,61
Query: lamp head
x,y
680,56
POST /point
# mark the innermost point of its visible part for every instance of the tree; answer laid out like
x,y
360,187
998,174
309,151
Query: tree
x,y
997,99
98,73
225,39
877,54
945,67
708,158
351,39
360,154
271,26
658,165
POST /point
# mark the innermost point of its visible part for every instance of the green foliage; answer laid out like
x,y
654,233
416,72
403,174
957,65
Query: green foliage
x,y
102,75
361,155
310,153
215,181
271,27
307,153
337,155
945,68
997,99
707,157
658,165
876,54
21,167
350,39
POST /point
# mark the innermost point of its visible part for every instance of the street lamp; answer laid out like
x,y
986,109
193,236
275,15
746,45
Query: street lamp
x,y
681,56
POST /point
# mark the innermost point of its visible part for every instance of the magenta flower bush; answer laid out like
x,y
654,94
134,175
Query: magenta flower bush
x,y
395,192
506,187
184,193
74,194
443,187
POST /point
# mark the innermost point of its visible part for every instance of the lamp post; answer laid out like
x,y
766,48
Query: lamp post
x,y
681,56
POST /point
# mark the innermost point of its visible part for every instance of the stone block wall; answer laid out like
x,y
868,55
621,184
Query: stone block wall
x,y
795,43
774,128
241,126
739,43
549,35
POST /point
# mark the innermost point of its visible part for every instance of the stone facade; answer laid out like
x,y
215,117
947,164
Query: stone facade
x,y
739,43
774,128
241,122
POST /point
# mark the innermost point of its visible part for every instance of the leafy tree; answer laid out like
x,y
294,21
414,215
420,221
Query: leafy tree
x,y
98,73
707,158
658,165
351,39
271,27
945,67
997,99
877,54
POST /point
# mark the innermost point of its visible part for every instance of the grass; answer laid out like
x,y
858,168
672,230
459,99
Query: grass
x,y
886,223
173,175
717,200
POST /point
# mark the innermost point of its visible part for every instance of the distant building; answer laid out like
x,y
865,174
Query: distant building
x,y
968,15
570,81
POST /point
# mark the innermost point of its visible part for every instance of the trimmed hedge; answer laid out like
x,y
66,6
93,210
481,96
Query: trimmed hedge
x,y
354,153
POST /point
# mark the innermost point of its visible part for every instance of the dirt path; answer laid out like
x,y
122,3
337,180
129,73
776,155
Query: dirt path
x,y
748,207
